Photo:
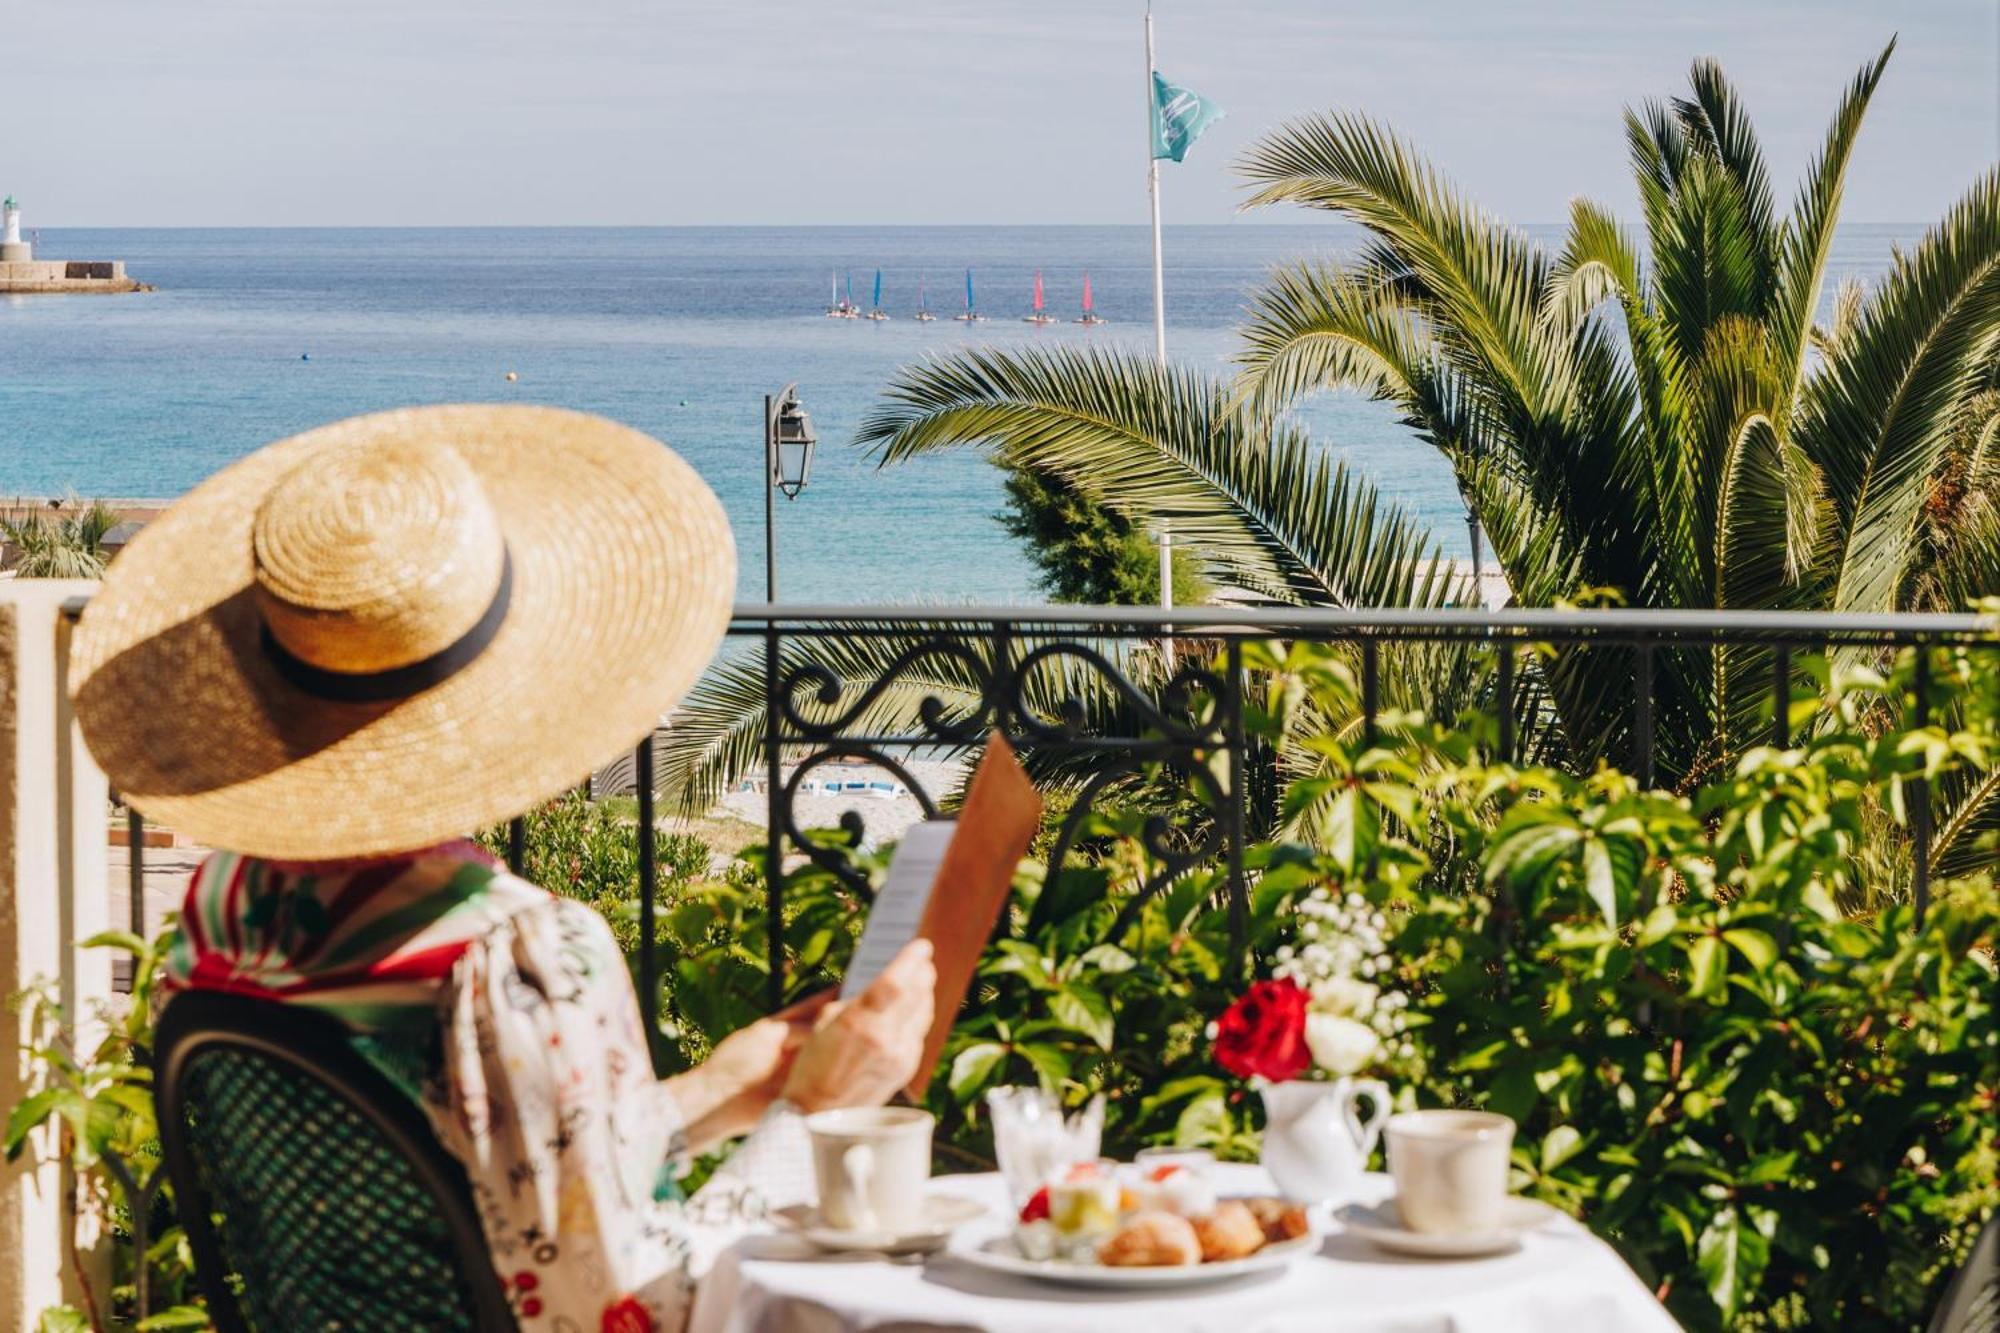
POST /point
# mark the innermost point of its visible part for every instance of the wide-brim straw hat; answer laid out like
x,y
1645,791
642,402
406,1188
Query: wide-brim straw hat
x,y
401,628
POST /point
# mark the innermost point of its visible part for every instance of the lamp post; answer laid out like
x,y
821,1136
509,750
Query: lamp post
x,y
788,455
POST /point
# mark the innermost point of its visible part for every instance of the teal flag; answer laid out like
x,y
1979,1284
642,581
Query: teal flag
x,y
1179,117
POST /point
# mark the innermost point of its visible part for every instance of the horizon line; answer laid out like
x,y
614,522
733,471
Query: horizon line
x,y
1307,221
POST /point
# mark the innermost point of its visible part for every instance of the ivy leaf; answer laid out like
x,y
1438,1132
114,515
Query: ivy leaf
x,y
973,1068
1757,947
1559,1145
28,1113
1707,965
1204,1121
1731,1257
1660,923
1023,960
1108,958
1181,1089
1050,1063
1081,1009
116,939
1341,829
1600,881
1525,852
63,1319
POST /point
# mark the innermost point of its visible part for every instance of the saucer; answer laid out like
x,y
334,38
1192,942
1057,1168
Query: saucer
x,y
1381,1224
942,1213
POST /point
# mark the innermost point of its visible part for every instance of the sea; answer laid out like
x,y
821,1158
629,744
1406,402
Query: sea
x,y
256,334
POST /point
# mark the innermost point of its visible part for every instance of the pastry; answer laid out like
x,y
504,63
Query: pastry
x,y
1230,1232
1084,1202
1172,1188
1151,1240
1281,1218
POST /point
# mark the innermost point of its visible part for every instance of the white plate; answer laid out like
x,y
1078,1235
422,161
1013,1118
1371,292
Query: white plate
x,y
995,1252
1382,1224
943,1213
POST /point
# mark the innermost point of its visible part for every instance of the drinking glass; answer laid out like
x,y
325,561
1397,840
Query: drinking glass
x,y
1034,1140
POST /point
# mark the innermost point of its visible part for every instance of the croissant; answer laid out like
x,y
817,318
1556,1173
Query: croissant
x,y
1281,1218
1230,1232
1151,1240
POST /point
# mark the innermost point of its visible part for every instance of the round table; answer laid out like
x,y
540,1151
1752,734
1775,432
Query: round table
x,y
1562,1278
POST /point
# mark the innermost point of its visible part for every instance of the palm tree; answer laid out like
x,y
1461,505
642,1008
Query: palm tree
x,y
60,545
1657,414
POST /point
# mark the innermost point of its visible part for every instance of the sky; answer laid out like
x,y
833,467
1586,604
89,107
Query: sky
x,y
828,112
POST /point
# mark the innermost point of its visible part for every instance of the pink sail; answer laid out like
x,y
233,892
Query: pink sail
x,y
1086,291
1038,291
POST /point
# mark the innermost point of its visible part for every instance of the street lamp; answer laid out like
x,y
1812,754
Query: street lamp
x,y
788,456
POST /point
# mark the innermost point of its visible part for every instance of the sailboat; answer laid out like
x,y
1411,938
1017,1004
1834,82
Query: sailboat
x,y
1040,316
835,308
1090,315
876,311
849,310
971,315
924,315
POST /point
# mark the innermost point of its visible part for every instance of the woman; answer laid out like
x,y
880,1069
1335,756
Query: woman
x,y
336,656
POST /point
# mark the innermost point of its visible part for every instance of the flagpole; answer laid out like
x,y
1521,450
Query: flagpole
x,y
1159,312
1153,190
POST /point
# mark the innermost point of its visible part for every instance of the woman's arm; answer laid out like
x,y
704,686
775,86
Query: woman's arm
x,y
728,1093
818,1054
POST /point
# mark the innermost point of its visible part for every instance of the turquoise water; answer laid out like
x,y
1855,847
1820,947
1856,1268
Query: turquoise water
x,y
677,331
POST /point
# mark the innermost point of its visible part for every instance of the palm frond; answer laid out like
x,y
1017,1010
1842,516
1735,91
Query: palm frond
x,y
60,546
1316,326
1707,260
1485,278
924,680
1715,119
1878,416
1807,237
1830,337
1597,263
1271,515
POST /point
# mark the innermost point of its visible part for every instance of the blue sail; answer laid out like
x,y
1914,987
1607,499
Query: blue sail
x,y
878,289
850,287
968,289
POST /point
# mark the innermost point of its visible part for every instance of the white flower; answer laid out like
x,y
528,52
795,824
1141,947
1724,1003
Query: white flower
x,y
1344,995
1340,1045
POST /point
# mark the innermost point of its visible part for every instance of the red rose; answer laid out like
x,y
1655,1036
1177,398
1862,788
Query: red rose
x,y
627,1316
1263,1035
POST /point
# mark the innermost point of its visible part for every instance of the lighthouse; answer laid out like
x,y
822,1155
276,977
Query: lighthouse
x,y
21,272
13,250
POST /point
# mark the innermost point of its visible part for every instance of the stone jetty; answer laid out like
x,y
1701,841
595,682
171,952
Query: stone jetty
x,y
20,271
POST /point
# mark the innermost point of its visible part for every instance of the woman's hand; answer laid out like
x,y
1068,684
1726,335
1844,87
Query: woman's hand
x,y
863,1051
726,1094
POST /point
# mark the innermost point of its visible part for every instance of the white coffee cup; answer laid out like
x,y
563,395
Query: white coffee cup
x,y
1450,1169
871,1163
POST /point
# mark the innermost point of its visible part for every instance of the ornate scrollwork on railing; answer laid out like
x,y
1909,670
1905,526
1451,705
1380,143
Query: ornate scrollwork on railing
x,y
1174,846
1168,715
1079,711
827,686
783,802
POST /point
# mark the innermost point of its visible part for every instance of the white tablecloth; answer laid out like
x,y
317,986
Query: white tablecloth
x,y
1562,1279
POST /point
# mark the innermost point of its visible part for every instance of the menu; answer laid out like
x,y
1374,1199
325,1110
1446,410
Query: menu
x,y
948,884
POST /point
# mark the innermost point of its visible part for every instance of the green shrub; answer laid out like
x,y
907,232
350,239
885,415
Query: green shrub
x,y
1781,1114
97,1105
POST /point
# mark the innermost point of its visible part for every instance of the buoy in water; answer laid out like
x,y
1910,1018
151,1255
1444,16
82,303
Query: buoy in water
x,y
684,402
511,377
305,356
